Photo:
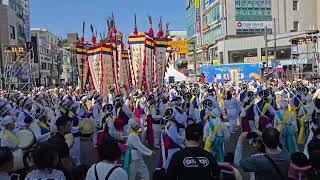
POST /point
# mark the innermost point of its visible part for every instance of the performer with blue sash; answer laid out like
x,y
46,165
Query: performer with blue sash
x,y
215,133
286,124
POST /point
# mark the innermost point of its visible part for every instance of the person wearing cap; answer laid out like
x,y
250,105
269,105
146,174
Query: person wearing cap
x,y
139,111
263,111
83,111
193,162
137,167
247,112
107,128
285,123
154,115
307,117
232,109
97,108
8,138
172,137
40,128
215,133
121,113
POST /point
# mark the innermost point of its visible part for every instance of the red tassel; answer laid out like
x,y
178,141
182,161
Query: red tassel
x,y
115,30
82,39
94,39
135,32
160,34
151,33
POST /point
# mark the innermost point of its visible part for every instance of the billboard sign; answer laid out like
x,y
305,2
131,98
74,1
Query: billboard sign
x,y
180,47
253,15
235,72
252,25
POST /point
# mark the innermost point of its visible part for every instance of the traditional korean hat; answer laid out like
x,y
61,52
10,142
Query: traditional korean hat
x,y
207,103
187,96
108,108
169,114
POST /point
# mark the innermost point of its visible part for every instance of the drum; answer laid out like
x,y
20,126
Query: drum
x,y
17,160
26,138
69,139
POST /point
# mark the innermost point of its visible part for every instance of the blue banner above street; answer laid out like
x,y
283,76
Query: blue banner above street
x,y
233,72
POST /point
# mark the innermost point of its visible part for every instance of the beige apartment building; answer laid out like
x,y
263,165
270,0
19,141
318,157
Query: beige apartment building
x,y
48,53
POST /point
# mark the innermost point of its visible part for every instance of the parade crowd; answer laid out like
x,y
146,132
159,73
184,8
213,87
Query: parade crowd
x,y
188,123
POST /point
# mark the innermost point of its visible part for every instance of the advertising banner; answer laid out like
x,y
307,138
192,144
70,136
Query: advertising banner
x,y
236,72
180,47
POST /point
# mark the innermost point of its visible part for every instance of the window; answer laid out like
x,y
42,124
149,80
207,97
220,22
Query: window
x,y
43,65
295,5
12,32
296,25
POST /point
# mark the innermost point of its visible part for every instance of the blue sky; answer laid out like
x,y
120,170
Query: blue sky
x,y
63,16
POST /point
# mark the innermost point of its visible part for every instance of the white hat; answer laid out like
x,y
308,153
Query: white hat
x,y
6,120
132,123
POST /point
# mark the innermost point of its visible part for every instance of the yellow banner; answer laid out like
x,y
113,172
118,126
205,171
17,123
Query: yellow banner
x,y
197,4
216,62
180,47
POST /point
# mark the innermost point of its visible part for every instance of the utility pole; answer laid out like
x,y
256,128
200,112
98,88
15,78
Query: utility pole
x,y
275,42
266,47
1,67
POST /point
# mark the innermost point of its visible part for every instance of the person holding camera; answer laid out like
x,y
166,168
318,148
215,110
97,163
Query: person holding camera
x,y
271,164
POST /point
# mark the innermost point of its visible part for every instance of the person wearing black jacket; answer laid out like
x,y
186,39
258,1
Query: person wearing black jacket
x,y
193,162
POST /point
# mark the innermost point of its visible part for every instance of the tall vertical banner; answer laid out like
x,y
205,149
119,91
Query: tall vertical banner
x,y
94,61
148,67
82,64
107,75
125,70
198,21
160,59
137,54
115,65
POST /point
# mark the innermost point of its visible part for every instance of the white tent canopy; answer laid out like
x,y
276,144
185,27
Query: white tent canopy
x,y
178,76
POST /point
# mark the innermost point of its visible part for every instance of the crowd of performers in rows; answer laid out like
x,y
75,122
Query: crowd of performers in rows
x,y
158,119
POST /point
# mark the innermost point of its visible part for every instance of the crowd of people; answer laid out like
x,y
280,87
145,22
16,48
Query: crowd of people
x,y
188,123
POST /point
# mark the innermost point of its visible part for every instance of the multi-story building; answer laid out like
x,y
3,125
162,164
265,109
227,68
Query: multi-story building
x,y
48,53
69,67
14,32
233,31
66,72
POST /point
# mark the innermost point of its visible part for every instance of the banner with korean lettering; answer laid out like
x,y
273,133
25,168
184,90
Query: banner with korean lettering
x,y
82,65
125,70
137,54
161,58
148,69
94,61
107,75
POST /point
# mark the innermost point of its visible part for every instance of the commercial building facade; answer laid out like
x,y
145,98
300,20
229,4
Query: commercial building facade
x,y
48,53
233,31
